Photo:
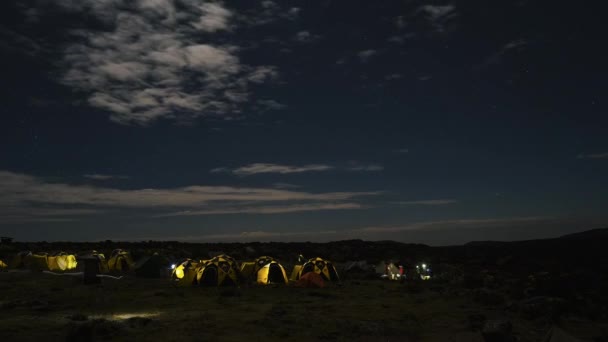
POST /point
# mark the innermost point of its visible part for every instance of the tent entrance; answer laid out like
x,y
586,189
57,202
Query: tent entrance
x,y
209,277
275,274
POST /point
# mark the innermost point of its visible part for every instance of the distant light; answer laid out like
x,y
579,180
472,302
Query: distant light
x,y
423,265
173,266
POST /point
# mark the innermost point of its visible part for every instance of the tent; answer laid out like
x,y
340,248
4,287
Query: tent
x,y
221,270
101,260
3,265
184,273
153,266
388,270
62,262
264,270
310,279
120,261
320,266
36,262
295,273
19,260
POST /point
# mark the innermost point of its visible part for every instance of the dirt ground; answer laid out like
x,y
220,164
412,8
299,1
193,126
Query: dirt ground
x,y
43,307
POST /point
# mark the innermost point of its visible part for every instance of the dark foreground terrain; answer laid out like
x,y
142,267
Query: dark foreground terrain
x,y
530,286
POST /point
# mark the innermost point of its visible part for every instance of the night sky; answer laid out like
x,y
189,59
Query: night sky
x,y
430,122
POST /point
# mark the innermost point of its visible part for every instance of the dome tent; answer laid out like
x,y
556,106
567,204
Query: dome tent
x,y
101,260
153,266
19,260
120,261
61,262
264,270
388,270
310,280
184,274
221,270
320,266
3,265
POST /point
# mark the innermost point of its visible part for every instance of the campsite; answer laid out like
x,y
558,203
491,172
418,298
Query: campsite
x,y
483,291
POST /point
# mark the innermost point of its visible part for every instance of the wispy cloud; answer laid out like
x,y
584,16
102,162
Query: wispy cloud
x,y
439,16
365,55
306,37
497,57
268,168
27,196
451,224
158,59
17,42
593,156
97,176
258,168
368,167
282,209
428,202
255,235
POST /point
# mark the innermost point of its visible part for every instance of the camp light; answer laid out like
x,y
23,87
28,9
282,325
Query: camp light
x,y
423,265
173,266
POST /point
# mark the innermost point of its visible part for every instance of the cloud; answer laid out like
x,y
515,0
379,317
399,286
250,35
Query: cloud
x,y
496,58
17,42
255,235
97,176
365,55
258,168
593,156
451,224
158,59
285,186
369,167
27,196
393,77
283,209
306,37
438,16
401,38
267,168
428,202
264,105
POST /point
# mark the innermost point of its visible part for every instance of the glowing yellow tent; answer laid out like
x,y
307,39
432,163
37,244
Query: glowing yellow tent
x,y
320,266
184,274
221,270
120,261
3,265
295,273
264,270
61,262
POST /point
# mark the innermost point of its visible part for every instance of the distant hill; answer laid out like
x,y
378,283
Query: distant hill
x,y
599,233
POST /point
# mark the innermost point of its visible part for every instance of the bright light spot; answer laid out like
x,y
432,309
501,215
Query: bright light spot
x,y
173,266
423,265
134,314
